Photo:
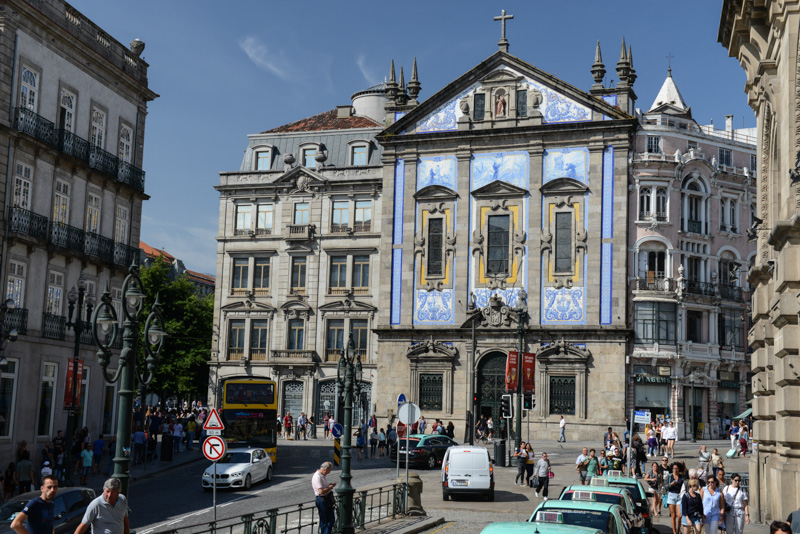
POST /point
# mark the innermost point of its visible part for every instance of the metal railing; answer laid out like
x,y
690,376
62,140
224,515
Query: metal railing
x,y
87,338
697,287
28,222
124,255
69,143
53,326
99,247
16,318
362,227
258,355
131,175
26,121
655,284
333,355
373,506
64,235
103,161
730,292
339,229
263,231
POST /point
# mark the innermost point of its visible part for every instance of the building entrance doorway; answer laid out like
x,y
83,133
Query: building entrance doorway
x,y
491,386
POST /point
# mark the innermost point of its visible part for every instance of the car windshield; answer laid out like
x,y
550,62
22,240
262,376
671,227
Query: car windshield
x,y
10,509
582,518
607,498
236,458
635,488
412,443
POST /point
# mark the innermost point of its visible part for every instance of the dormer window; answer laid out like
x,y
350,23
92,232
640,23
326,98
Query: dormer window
x,y
358,155
262,160
308,158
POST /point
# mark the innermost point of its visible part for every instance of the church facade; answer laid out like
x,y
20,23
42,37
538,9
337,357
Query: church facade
x,y
507,231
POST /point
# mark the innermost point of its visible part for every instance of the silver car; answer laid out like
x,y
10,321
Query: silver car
x,y
239,468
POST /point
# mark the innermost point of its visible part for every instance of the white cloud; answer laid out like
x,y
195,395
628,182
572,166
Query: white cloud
x,y
263,58
361,61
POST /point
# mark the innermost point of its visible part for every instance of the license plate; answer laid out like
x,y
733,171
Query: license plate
x,y
403,452
457,483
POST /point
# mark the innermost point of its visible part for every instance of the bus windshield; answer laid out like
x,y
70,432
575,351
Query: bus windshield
x,y
248,393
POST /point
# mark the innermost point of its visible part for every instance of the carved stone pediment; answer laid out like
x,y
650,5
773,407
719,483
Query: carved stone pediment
x,y
499,190
435,193
501,77
296,247
347,306
562,351
301,180
296,308
564,186
431,350
248,305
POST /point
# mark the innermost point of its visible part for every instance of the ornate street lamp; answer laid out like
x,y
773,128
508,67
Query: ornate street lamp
x,y
79,326
521,312
105,329
348,375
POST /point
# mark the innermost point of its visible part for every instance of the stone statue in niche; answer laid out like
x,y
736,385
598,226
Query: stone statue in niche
x,y
534,101
464,105
500,107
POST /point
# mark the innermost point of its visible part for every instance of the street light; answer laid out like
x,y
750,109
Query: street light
x,y
348,374
78,325
105,329
521,332
691,381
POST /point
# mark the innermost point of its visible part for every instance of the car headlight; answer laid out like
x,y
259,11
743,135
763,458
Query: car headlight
x,y
206,475
234,475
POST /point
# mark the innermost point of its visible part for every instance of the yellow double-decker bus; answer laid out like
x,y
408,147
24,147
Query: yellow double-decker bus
x,y
250,412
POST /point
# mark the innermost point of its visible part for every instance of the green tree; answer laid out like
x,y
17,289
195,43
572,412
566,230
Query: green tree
x,y
188,321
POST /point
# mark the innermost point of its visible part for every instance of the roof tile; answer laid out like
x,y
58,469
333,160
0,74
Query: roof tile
x,y
326,121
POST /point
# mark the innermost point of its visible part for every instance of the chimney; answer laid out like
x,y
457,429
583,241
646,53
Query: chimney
x,y
342,112
728,123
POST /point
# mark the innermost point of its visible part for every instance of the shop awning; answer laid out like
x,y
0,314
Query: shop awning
x,y
744,414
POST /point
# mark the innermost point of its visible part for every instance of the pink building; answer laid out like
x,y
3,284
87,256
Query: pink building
x,y
692,199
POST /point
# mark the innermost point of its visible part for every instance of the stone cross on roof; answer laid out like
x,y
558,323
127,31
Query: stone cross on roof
x,y
503,44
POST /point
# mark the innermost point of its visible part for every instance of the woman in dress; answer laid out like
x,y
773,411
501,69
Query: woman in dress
x,y
653,479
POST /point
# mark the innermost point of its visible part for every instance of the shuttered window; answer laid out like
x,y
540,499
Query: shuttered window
x,y
498,244
480,107
435,247
563,242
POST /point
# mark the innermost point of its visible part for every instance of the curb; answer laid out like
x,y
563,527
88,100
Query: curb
x,y
167,469
416,528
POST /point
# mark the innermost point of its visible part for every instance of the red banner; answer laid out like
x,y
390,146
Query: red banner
x,y
528,372
512,366
68,389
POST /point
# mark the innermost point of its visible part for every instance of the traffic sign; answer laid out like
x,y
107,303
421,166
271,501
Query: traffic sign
x,y
401,430
213,432
401,400
214,448
642,417
408,413
213,421
337,430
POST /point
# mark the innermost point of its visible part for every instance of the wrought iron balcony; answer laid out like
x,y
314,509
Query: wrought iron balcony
x,y
16,318
131,175
69,143
27,222
28,122
53,326
103,161
124,255
655,284
696,287
695,227
299,232
730,292
99,247
86,337
64,235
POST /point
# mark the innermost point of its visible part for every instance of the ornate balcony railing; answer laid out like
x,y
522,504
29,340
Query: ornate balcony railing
x,y
695,227
28,223
53,326
103,161
696,287
258,355
69,143
298,231
16,318
263,231
28,122
235,353
360,291
730,292
86,337
98,246
124,255
339,228
333,355
131,175
655,284
362,227
338,291
64,235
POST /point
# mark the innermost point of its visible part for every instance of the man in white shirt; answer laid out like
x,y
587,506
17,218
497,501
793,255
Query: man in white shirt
x,y
563,425
324,498
177,435
582,462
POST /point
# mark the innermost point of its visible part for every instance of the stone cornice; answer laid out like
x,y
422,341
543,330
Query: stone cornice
x,y
783,231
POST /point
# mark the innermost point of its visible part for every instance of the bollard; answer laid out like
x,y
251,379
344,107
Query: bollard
x,y
414,495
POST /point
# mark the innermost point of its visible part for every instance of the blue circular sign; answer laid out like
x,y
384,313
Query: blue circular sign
x,y
337,430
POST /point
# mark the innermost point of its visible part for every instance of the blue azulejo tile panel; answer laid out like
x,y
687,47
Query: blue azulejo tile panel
x,y
566,163
440,170
399,115
609,99
433,307
608,193
399,192
564,305
510,296
556,107
606,271
509,167
445,118
397,285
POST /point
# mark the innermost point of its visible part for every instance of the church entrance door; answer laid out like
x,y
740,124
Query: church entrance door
x,y
491,386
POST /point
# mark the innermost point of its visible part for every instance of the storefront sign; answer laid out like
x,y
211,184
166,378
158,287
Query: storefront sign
x,y
528,376
70,380
512,365
664,371
647,379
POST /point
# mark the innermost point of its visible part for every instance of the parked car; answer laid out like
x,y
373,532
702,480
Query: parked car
x,y
542,527
637,486
239,468
609,518
467,470
69,506
425,450
605,494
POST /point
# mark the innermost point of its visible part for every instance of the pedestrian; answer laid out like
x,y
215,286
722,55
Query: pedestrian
x,y
652,443
325,501
593,467
737,507
177,435
331,424
653,479
288,420
97,449
88,458
47,453
25,473
692,508
423,424
794,521
659,440
521,456
603,462
112,450
325,428
671,437
139,444
9,481
704,457
562,428
191,429
543,473
490,428
529,463
381,442
108,513
733,433
373,441
450,432
46,471
674,483
391,438
716,463
581,464
713,505
744,435
779,527
359,442
38,515
608,438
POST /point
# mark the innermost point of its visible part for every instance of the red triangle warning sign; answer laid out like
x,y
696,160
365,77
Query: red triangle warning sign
x,y
213,421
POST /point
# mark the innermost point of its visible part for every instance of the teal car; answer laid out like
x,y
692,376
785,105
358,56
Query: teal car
x,y
550,524
638,488
608,518
605,494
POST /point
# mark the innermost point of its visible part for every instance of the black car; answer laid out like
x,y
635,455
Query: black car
x,y
70,505
425,450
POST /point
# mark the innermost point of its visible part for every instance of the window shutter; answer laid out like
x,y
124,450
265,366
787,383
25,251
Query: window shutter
x,y
522,103
480,107
563,242
435,246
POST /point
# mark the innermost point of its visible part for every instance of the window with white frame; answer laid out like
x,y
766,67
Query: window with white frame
x,y
653,144
694,217
661,204
298,275
341,216
22,186
259,339
66,111
360,275
261,269
98,130
263,160
296,331
337,278
302,213
93,214
728,215
264,219
645,199
29,89
241,271
121,225
360,330
358,155
308,157
8,394
363,221
725,157
124,151
334,339
47,400
236,333
55,292
61,202
15,285
244,219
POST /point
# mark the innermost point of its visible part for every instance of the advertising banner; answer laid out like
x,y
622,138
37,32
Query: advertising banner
x,y
70,380
512,365
528,372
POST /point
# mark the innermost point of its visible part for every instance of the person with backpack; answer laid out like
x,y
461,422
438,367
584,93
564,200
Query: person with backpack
x,y
737,507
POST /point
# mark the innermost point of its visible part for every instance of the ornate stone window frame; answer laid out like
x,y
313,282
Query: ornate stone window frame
x,y
247,310
561,358
564,195
349,310
263,147
355,143
435,202
433,357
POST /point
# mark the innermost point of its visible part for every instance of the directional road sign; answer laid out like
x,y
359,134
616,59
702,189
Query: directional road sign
x,y
642,417
214,448
408,413
337,430
401,400
213,421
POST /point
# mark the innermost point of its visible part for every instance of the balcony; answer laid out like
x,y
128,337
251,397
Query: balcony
x,y
258,355
695,287
66,236
86,337
261,291
26,121
299,232
333,355
362,227
53,326
294,357
339,229
730,293
124,255
131,175
338,291
99,247
658,283
70,144
263,231
360,291
694,227
16,318
661,216
235,353
103,161
27,222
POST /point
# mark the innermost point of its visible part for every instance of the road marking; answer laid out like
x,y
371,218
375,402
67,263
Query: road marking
x,y
173,522
448,525
148,531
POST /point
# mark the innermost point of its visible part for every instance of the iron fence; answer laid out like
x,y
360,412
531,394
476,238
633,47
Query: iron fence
x,y
35,125
370,506
27,222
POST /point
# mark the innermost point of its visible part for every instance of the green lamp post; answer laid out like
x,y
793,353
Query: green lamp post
x,y
348,374
105,329
521,312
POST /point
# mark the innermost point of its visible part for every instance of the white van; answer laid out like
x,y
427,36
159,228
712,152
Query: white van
x,y
467,470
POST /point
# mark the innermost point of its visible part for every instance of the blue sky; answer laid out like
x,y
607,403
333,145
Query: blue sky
x,y
228,69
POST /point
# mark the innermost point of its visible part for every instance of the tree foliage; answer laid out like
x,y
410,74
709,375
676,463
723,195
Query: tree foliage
x,y
188,321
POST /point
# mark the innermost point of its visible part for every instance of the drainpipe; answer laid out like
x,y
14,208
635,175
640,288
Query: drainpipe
x,y
9,190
